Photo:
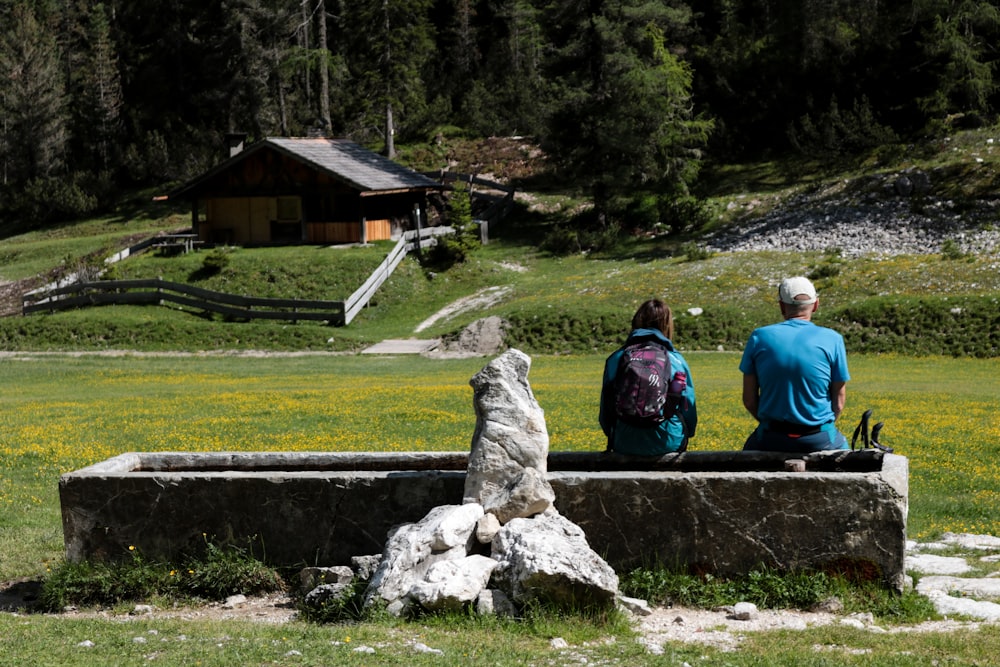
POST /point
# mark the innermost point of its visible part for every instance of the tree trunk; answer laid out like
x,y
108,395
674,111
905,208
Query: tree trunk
x,y
390,145
304,43
324,69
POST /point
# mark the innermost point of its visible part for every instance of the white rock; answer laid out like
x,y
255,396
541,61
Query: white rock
x,y
948,605
970,541
234,601
424,648
744,611
979,588
548,558
493,602
634,606
487,527
451,584
510,430
455,526
931,564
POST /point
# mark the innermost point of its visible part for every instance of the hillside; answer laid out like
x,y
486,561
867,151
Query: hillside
x,y
905,255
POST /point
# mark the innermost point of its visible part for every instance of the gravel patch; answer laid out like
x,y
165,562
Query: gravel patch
x,y
882,215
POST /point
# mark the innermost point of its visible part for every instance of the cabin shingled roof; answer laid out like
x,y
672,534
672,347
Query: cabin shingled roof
x,y
364,168
343,159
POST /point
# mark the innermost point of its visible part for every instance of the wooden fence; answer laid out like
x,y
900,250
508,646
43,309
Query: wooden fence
x,y
411,240
159,292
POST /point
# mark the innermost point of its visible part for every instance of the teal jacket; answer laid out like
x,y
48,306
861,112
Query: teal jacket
x,y
670,436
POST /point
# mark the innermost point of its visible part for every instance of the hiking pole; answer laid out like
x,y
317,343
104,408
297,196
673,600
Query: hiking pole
x,y
862,430
876,430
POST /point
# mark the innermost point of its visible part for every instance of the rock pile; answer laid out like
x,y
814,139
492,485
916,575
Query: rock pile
x,y
880,215
506,545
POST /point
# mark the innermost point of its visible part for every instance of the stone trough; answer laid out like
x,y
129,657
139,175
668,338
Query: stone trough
x,y
709,512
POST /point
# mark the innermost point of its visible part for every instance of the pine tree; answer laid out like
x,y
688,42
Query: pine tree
x,y
33,132
623,121
98,94
391,45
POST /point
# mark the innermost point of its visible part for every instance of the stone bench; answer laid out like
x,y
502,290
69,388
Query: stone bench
x,y
709,512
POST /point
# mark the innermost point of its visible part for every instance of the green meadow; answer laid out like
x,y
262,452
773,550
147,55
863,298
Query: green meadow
x,y
63,412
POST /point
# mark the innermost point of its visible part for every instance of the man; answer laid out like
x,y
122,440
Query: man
x,y
795,377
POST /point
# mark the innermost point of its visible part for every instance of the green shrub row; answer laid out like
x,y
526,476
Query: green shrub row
x,y
162,328
955,326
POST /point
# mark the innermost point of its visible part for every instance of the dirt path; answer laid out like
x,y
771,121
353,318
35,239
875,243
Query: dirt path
x,y
482,299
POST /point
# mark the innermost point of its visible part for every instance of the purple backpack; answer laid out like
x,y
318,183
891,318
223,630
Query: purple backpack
x,y
642,384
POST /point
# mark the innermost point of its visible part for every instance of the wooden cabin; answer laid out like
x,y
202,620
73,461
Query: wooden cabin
x,y
305,190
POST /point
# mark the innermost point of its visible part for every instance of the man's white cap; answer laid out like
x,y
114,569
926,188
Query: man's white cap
x,y
797,291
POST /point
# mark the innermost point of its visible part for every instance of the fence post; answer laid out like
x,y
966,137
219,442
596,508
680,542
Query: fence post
x,y
416,216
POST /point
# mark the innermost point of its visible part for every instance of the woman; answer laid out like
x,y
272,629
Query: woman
x,y
652,329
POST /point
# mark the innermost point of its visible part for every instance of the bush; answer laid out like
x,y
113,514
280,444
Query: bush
x,y
643,213
840,132
683,213
950,249
694,252
561,241
215,261
45,200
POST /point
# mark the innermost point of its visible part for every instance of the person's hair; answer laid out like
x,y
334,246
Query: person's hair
x,y
654,314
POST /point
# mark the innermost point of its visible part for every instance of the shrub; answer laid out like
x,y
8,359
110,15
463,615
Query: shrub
x,y
955,326
43,200
694,252
643,212
215,261
950,249
683,213
561,241
224,571
347,606
772,589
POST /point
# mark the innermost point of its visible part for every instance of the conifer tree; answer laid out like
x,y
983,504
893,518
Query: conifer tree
x,y
98,95
623,121
33,132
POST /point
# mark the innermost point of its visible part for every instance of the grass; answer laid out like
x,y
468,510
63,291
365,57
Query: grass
x,y
768,589
69,412
215,575
64,412
912,304
52,641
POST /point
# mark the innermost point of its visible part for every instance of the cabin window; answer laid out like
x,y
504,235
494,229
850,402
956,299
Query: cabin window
x,y
289,209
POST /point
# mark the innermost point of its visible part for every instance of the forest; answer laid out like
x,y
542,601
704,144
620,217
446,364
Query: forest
x,y
629,98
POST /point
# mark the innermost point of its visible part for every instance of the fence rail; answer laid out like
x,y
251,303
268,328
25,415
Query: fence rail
x,y
411,240
159,292
156,291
